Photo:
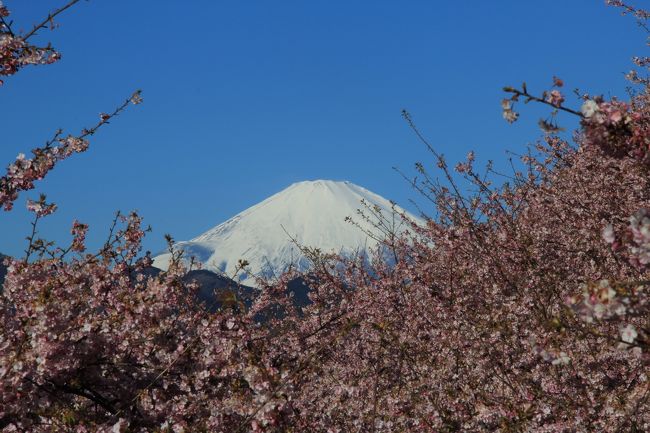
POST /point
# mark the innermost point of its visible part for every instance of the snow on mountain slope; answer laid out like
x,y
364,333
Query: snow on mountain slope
x,y
311,212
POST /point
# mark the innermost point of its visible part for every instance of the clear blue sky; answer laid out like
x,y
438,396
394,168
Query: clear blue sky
x,y
243,98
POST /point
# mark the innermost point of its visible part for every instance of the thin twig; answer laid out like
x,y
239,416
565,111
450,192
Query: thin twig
x,y
7,26
530,97
30,247
49,18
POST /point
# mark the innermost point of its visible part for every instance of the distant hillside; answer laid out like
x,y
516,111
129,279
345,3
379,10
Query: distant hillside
x,y
215,290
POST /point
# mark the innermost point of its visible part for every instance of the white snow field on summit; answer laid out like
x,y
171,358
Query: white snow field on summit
x,y
313,213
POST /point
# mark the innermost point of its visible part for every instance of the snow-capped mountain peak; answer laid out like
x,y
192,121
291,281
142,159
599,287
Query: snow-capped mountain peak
x,y
313,213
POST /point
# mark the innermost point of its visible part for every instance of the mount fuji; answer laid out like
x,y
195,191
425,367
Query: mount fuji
x,y
310,213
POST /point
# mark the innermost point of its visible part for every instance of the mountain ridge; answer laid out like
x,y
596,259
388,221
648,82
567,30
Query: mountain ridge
x,y
312,213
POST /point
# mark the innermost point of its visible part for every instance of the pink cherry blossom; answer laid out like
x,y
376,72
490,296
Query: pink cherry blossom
x,y
521,304
555,97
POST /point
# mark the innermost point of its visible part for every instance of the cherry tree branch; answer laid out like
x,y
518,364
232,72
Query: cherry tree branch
x,y
49,19
529,97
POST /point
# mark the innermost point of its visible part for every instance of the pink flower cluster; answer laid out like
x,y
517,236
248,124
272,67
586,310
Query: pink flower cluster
x,y
40,207
640,230
598,301
78,232
636,238
23,172
15,52
555,97
615,127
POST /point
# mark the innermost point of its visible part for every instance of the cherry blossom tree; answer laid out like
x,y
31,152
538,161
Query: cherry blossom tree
x,y
521,305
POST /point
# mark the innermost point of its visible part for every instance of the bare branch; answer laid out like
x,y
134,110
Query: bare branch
x,y
49,19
